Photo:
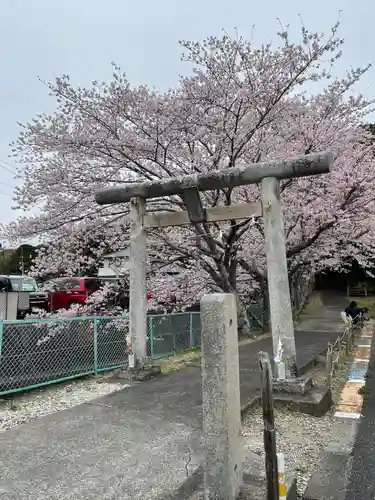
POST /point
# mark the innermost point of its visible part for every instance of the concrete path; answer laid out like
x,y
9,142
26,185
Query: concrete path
x,y
362,479
140,443
333,471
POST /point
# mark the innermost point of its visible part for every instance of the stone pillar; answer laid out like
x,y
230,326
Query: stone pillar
x,y
223,472
137,302
277,272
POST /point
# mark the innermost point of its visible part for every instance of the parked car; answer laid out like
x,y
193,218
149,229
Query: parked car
x,y
37,298
65,292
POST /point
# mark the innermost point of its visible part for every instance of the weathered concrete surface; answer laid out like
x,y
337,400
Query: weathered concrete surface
x,y
330,480
221,409
138,443
137,288
316,402
254,487
344,432
255,484
252,490
301,166
346,468
362,478
299,385
321,324
326,319
278,281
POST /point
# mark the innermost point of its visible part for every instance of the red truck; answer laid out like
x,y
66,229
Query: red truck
x,y
64,292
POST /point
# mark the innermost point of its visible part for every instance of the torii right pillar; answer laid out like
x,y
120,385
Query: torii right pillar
x,y
281,315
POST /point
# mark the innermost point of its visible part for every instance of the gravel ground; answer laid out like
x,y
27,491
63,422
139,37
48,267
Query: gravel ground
x,y
300,437
29,406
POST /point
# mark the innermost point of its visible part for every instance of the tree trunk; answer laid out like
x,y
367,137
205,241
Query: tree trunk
x,y
242,318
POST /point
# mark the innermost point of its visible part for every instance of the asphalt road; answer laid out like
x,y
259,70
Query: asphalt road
x,y
133,444
362,480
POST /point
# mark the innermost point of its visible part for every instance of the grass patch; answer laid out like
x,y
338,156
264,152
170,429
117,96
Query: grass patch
x,y
179,360
188,357
256,337
363,391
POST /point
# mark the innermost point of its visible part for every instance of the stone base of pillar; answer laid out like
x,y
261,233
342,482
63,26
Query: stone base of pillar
x,y
300,385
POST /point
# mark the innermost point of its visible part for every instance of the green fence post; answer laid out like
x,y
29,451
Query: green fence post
x,y
1,334
151,337
191,333
95,336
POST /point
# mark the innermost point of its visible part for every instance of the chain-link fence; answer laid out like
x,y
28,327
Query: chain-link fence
x,y
37,352
170,333
258,317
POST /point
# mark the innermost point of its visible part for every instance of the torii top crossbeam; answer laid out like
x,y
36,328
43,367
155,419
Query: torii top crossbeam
x,y
312,164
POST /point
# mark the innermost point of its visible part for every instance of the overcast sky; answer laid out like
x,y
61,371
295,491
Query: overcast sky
x,y
81,37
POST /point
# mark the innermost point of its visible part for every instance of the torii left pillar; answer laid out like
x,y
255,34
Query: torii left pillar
x,y
138,302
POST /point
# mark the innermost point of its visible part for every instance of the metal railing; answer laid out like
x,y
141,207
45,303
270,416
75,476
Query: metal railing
x,y
343,343
36,352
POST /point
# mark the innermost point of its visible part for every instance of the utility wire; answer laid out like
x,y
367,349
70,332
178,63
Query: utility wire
x,y
9,167
6,194
7,163
7,185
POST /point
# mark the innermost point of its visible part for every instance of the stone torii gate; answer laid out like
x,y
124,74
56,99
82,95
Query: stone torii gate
x,y
188,187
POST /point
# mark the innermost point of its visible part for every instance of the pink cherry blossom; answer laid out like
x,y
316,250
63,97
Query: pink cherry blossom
x,y
239,104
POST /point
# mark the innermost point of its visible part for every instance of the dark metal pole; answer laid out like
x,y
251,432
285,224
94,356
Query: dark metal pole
x,y
269,426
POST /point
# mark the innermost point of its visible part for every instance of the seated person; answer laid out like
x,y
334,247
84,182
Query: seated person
x,y
355,313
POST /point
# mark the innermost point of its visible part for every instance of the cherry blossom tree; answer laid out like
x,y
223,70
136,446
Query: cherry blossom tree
x,y
239,104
